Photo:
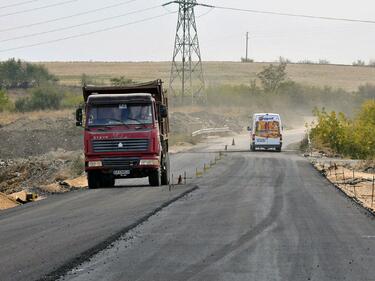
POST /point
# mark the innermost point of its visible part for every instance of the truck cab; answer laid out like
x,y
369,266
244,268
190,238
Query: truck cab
x,y
125,133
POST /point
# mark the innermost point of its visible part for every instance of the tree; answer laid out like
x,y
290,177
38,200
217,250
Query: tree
x,y
17,74
359,63
272,77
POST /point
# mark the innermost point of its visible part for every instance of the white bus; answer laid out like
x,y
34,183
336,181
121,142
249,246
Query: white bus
x,y
266,131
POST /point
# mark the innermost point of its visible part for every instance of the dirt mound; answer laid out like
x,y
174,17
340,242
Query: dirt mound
x,y
189,122
218,121
33,172
25,137
6,202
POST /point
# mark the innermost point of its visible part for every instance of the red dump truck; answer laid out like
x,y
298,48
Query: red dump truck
x,y
125,133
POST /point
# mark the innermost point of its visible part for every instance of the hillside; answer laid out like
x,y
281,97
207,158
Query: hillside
x,y
336,76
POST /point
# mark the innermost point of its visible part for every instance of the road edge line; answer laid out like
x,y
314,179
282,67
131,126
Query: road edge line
x,y
86,255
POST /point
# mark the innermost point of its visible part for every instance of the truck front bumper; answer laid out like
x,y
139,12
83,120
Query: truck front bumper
x,y
131,167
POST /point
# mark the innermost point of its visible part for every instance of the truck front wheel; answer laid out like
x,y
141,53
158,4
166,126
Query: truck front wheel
x,y
108,181
93,179
154,178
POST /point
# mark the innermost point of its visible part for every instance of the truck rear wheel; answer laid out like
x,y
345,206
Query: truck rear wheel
x,y
93,179
154,178
165,170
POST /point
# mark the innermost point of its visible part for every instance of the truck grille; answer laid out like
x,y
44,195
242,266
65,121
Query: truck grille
x,y
123,162
120,145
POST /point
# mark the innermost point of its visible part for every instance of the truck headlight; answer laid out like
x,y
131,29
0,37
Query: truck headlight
x,y
95,163
149,162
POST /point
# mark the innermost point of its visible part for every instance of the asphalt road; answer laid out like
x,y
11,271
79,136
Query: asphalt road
x,y
255,216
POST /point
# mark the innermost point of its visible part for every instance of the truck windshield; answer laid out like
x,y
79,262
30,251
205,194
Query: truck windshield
x,y
117,114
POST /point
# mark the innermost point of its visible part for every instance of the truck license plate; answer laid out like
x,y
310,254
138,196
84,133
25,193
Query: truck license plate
x,y
122,173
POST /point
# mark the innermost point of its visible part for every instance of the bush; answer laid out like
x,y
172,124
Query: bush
x,y
5,102
22,104
40,99
121,81
71,100
366,91
323,61
354,138
247,60
77,167
18,74
359,63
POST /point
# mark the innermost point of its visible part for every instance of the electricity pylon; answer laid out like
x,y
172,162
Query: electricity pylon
x,y
187,72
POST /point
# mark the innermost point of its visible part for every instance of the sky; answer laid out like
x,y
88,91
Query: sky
x,y
221,32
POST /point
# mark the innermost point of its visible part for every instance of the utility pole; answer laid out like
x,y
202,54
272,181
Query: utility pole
x,y
187,66
247,47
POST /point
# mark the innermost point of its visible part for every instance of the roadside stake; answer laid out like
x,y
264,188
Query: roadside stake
x,y
373,187
198,173
179,180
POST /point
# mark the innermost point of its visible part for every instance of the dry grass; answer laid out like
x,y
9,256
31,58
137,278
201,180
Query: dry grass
x,y
346,77
9,117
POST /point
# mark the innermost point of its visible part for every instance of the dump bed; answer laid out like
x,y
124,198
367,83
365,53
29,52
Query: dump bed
x,y
155,88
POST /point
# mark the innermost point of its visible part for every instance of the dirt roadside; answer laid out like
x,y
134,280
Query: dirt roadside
x,y
356,178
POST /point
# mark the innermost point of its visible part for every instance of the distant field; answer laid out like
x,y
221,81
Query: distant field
x,y
346,77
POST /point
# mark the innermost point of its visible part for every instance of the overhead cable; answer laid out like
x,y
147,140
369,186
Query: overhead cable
x,y
68,17
85,34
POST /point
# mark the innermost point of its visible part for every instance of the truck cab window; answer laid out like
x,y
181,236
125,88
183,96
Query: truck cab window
x,y
114,114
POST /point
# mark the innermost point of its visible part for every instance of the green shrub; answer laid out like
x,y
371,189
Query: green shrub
x,y
71,100
77,167
350,137
45,99
18,74
40,99
5,102
121,81
22,104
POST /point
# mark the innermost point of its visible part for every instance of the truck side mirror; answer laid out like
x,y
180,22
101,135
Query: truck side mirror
x,y
79,117
163,111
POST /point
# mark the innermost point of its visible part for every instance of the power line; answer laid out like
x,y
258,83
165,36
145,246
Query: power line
x,y
38,8
290,14
78,25
68,17
18,4
85,34
206,13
